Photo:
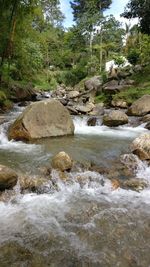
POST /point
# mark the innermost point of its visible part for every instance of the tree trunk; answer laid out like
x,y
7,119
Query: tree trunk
x,y
8,45
101,52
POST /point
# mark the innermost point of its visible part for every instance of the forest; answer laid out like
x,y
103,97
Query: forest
x,y
36,49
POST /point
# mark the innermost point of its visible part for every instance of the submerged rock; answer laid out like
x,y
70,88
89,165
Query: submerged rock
x,y
42,119
115,118
32,184
147,126
62,162
92,121
8,178
141,146
135,184
131,161
140,107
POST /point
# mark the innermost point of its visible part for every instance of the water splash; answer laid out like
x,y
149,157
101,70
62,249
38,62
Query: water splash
x,y
126,131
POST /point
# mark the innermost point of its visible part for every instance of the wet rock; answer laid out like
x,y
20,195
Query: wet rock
x,y
2,119
42,119
63,175
146,118
99,169
98,109
119,103
32,184
92,121
147,126
141,146
14,254
24,104
140,107
62,162
135,184
8,178
115,118
115,184
131,161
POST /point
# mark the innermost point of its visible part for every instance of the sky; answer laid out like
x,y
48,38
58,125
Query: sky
x,y
116,9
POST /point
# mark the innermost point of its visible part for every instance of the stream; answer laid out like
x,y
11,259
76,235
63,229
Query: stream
x,y
88,226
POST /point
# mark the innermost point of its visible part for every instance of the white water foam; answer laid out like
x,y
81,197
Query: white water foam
x,y
143,171
82,128
12,145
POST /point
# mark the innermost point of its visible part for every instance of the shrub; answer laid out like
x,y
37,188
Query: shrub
x,y
133,57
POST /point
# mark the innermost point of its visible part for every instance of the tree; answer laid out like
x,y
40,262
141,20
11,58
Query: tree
x,y
89,14
139,9
22,32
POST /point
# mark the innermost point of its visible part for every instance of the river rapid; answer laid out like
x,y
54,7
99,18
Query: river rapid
x,y
89,225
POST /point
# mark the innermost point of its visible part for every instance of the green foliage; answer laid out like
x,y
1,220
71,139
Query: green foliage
x,y
139,9
53,84
73,76
92,66
132,94
119,60
102,98
133,56
5,103
2,98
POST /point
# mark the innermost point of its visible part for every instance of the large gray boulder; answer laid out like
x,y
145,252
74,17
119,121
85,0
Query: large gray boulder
x,y
94,83
141,146
8,178
115,118
140,107
43,119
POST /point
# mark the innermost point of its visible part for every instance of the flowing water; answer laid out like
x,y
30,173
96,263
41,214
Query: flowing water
x,y
89,225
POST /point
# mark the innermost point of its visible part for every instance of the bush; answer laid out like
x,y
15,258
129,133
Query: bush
x,y
131,94
53,84
2,98
133,57
71,77
119,60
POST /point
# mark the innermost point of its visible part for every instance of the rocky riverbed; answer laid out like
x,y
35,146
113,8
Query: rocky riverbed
x,y
89,207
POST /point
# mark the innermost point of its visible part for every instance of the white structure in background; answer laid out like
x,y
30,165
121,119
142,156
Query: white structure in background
x,y
111,64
